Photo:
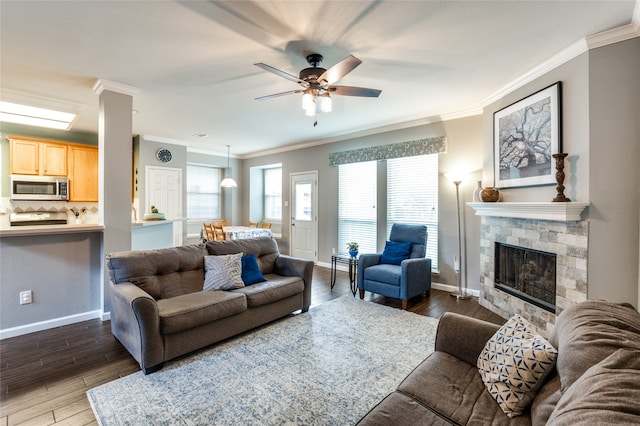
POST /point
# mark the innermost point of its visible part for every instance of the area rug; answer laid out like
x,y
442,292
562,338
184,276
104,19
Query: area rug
x,y
329,366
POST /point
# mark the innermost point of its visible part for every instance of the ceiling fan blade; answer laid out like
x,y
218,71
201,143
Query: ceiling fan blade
x,y
354,91
339,70
276,95
282,74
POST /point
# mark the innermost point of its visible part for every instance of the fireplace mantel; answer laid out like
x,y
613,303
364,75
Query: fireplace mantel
x,y
564,212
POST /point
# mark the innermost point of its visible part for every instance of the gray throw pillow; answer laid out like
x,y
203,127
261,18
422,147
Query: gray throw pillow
x,y
223,272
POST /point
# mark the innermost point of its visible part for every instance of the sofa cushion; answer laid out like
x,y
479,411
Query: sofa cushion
x,y
194,309
613,326
546,400
265,249
223,272
395,252
276,288
607,393
384,273
162,273
454,390
250,270
398,409
514,363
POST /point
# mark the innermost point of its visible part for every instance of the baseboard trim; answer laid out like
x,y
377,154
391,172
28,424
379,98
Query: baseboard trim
x,y
453,288
48,324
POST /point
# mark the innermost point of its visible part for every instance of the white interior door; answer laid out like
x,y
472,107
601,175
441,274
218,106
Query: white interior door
x,y
304,216
164,190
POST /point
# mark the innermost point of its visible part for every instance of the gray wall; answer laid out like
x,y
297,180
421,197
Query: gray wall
x,y
601,104
464,152
59,269
614,192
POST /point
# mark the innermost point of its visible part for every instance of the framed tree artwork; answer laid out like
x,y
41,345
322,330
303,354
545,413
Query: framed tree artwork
x,y
525,136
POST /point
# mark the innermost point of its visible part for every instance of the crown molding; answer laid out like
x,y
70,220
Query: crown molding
x,y
565,55
581,46
613,35
112,86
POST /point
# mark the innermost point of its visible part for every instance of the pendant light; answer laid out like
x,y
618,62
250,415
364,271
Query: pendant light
x,y
228,181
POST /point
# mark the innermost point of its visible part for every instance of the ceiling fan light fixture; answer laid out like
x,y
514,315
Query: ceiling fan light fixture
x,y
326,104
308,102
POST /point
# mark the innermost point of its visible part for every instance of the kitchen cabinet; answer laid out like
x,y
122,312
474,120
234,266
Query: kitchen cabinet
x,y
34,157
83,173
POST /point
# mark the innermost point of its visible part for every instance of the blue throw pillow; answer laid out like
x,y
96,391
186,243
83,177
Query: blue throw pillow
x,y
394,252
250,270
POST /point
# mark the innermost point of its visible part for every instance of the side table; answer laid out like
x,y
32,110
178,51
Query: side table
x,y
353,270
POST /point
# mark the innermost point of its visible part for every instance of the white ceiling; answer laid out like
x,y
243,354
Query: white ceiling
x,y
192,62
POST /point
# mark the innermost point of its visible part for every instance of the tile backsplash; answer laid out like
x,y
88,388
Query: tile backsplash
x,y
88,215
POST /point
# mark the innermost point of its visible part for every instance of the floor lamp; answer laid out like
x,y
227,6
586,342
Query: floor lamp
x,y
460,294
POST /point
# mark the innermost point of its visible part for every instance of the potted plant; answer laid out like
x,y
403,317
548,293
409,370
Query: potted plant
x,y
353,248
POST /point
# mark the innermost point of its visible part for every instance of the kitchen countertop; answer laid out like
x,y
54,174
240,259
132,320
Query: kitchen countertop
x,y
154,222
17,231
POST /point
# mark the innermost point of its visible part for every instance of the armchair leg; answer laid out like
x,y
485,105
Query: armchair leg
x,y
361,294
405,304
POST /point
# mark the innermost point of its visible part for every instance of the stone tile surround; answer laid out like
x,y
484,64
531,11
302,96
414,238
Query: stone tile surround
x,y
568,240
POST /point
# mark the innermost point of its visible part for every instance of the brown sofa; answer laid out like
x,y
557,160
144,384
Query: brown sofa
x,y
159,310
596,379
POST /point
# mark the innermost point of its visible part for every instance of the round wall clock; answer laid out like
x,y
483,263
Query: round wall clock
x,y
164,155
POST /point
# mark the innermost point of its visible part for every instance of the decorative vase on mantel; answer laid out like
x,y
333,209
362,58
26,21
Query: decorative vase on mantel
x,y
489,195
476,193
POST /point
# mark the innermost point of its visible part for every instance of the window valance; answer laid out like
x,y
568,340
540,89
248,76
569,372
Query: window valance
x,y
426,146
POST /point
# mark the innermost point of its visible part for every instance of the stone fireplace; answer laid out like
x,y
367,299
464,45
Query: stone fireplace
x,y
551,228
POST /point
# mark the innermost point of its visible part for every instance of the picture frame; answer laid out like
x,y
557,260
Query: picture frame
x,y
526,134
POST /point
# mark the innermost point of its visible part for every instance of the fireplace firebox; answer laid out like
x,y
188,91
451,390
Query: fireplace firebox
x,y
527,274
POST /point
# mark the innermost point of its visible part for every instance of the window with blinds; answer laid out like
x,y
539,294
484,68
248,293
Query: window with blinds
x,y
273,194
203,192
412,196
357,206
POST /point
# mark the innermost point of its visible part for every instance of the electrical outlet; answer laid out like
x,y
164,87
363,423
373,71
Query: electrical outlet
x,y
26,297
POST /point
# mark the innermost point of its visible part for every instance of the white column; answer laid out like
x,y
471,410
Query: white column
x,y
115,149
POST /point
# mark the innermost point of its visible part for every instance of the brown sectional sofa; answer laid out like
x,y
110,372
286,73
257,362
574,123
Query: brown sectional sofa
x,y
159,310
596,379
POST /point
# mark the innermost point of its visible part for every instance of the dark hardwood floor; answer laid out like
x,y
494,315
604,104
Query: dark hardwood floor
x,y
44,376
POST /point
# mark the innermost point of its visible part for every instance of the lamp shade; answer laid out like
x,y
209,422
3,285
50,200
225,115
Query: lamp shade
x,y
228,182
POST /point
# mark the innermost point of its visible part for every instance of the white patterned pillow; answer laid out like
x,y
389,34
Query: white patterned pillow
x,y
514,363
223,272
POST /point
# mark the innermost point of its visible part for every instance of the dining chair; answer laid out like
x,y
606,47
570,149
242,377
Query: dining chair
x,y
209,233
266,225
253,224
218,230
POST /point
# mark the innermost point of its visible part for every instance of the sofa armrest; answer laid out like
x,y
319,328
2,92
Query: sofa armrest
x,y
463,337
135,322
295,267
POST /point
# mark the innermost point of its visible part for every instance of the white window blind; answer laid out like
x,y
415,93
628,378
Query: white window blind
x,y
203,192
412,196
357,206
273,193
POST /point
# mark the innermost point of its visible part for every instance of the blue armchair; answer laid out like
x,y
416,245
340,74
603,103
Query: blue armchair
x,y
401,271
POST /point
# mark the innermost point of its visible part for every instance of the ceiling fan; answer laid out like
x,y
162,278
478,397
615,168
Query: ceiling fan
x,y
317,83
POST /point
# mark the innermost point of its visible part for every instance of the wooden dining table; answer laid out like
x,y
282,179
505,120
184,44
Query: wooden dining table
x,y
245,232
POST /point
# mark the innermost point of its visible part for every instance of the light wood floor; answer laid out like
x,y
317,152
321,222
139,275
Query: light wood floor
x,y
44,376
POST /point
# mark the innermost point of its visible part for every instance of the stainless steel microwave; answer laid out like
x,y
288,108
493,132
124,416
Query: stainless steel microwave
x,y
25,187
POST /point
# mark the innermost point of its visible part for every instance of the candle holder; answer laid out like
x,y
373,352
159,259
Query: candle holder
x,y
560,198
